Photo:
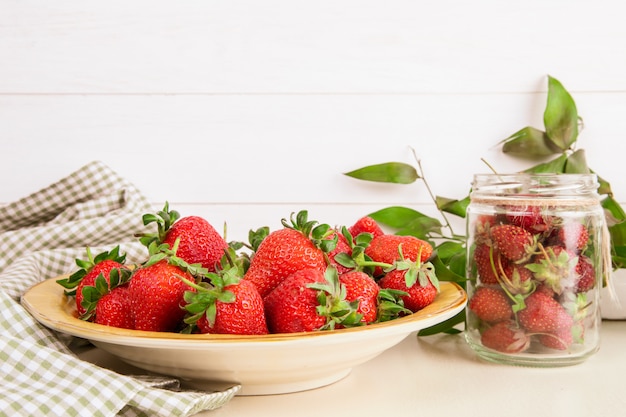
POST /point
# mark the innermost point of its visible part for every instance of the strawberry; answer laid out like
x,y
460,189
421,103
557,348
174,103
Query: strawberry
x,y
416,279
199,242
90,269
543,314
586,274
514,243
310,300
573,236
384,249
506,337
156,294
113,309
517,279
490,304
232,306
482,226
292,306
343,247
530,218
487,271
360,286
284,251
366,225
561,339
195,239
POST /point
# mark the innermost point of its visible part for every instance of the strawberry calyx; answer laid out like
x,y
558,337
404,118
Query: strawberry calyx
x,y
391,305
203,301
70,283
553,266
358,260
417,271
164,220
317,232
331,296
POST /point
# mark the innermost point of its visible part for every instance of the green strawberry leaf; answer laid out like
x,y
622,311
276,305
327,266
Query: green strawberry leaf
x,y
390,172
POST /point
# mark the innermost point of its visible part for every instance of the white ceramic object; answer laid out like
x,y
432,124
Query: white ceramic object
x,y
614,307
268,364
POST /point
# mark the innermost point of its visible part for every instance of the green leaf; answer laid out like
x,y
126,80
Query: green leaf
x,y
577,163
615,210
446,326
444,273
456,207
529,143
397,217
561,116
391,172
605,187
555,166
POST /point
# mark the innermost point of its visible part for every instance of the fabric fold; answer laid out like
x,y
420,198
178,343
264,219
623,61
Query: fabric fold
x,y
41,236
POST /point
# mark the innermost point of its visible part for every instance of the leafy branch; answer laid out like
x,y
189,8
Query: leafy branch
x,y
557,140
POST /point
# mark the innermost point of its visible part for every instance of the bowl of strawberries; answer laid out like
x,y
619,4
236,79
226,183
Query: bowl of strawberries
x,y
214,315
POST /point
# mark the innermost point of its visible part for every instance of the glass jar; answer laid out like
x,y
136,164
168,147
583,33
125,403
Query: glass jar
x,y
537,253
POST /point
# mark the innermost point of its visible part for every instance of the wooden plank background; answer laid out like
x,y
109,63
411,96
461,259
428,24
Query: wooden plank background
x,y
244,111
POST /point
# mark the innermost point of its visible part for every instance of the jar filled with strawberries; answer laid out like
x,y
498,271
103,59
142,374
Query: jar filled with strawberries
x,y
538,249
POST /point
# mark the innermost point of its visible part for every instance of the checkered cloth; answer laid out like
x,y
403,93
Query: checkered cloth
x,y
41,236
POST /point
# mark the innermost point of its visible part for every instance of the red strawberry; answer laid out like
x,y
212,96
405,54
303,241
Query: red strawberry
x,y
487,272
103,268
243,314
506,337
287,250
292,306
366,225
343,246
560,339
113,309
361,287
573,236
490,304
156,295
90,269
517,279
199,242
543,314
482,225
310,300
586,274
530,218
385,249
416,279
513,242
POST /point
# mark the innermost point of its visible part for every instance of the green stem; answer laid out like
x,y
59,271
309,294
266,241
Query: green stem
x,y
430,192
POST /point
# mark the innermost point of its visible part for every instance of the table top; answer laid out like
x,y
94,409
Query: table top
x,y
440,375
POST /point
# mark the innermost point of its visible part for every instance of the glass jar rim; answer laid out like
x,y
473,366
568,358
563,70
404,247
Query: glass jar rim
x,y
535,184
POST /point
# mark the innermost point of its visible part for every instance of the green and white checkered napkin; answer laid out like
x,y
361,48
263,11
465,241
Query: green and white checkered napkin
x,y
41,235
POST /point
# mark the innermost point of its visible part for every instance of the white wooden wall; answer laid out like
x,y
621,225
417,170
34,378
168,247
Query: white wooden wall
x,y
246,110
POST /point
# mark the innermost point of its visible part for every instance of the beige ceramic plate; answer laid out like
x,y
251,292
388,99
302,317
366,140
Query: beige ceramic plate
x,y
268,364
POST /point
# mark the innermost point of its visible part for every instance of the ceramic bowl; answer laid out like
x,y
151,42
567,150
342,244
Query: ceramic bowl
x,y
268,364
